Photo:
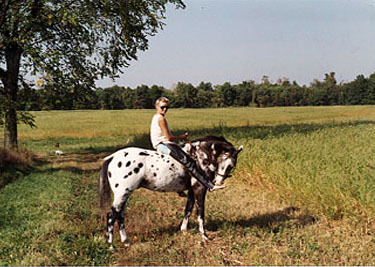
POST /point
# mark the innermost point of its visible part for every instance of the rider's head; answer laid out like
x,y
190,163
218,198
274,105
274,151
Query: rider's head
x,y
162,104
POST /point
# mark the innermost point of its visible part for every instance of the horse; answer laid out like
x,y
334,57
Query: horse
x,y
131,168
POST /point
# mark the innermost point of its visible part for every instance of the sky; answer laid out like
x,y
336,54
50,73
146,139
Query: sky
x,y
220,41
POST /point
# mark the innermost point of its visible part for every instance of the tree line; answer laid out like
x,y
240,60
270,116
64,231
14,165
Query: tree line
x,y
361,91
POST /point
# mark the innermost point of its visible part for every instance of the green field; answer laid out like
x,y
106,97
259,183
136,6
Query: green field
x,y
303,192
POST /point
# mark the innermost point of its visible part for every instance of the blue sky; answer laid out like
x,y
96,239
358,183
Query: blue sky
x,y
221,41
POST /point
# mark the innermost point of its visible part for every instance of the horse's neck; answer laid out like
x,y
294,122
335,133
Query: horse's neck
x,y
191,147
187,148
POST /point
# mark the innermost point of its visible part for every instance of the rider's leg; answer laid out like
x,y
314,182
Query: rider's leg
x,y
163,148
177,153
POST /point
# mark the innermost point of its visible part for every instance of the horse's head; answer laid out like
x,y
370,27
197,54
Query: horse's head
x,y
215,155
226,162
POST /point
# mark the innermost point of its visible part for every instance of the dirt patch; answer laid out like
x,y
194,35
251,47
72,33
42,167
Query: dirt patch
x,y
83,162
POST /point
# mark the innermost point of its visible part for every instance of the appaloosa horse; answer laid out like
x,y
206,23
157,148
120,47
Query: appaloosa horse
x,y
131,168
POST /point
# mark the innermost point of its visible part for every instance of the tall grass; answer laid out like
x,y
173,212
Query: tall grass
x,y
329,169
14,165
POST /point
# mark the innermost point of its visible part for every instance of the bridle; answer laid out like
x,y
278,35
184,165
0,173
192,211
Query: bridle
x,y
217,171
223,175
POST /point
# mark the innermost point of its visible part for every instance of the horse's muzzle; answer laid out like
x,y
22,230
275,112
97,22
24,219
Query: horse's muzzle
x,y
221,180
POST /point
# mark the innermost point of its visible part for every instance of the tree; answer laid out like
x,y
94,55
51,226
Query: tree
x,y
71,43
142,97
128,98
325,93
244,93
226,94
371,90
205,95
186,95
155,93
356,90
111,97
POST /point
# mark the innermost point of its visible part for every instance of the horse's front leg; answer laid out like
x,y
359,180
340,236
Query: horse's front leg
x,y
200,196
188,209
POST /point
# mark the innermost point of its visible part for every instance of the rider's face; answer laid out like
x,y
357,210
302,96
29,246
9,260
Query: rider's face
x,y
162,108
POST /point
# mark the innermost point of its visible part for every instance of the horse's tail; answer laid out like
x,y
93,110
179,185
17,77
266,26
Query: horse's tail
x,y
103,187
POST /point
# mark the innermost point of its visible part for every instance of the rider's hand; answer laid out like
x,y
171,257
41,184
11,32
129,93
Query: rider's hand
x,y
185,136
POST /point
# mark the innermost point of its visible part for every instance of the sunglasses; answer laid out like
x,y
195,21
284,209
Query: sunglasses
x,y
164,107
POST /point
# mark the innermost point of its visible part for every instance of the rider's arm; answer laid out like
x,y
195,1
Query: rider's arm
x,y
163,125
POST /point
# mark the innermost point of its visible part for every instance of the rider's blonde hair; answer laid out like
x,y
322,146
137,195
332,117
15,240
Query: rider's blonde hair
x,y
161,99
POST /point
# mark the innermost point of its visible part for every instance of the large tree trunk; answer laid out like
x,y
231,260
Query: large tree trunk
x,y
10,81
10,131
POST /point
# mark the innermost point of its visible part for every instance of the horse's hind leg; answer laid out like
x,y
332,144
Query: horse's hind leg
x,y
111,218
188,209
117,213
121,224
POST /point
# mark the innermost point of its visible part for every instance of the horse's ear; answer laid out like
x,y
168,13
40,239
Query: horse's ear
x,y
188,148
213,149
239,149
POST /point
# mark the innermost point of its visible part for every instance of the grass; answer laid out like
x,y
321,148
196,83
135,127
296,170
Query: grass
x,y
329,169
108,128
48,218
303,192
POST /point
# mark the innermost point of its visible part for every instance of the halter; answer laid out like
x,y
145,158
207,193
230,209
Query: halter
x,y
217,172
223,175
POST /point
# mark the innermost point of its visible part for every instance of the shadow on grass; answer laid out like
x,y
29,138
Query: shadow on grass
x,y
230,133
274,222
270,222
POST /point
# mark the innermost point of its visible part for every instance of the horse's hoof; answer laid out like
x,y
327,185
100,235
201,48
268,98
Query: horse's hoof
x,y
127,243
217,187
184,233
182,194
205,238
112,247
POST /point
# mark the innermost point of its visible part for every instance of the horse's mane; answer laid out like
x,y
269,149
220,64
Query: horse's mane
x,y
211,138
218,140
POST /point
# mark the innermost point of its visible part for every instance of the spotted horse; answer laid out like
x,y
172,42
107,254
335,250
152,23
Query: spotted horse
x,y
131,168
